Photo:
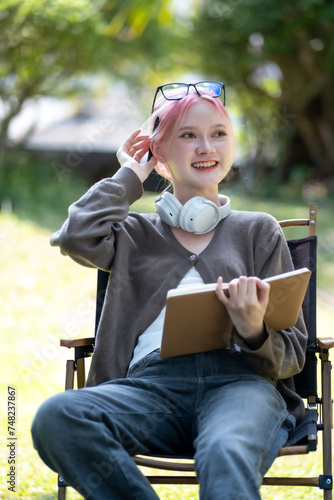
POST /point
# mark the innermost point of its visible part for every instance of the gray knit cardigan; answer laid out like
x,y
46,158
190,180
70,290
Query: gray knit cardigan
x,y
146,261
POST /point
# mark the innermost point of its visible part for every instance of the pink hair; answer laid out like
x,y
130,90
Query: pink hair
x,y
170,113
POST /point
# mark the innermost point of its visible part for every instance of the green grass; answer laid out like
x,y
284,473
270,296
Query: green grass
x,y
46,297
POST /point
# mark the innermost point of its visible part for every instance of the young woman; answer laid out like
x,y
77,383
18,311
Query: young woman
x,y
233,408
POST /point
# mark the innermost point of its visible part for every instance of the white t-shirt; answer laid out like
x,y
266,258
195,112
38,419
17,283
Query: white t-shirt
x,y
150,339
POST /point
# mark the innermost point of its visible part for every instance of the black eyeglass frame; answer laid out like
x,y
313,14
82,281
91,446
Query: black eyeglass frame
x,y
188,85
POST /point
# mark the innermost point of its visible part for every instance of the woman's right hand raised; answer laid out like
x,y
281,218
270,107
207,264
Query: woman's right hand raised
x,y
131,153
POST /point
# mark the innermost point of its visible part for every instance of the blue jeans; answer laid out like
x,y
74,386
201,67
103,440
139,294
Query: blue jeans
x,y
211,405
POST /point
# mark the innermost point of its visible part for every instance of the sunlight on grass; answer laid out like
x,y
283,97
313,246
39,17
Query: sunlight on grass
x,y
46,297
43,303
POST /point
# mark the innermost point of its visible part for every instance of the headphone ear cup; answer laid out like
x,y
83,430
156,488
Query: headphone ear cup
x,y
198,215
168,208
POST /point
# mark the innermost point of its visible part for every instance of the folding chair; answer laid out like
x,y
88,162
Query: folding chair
x,y
318,409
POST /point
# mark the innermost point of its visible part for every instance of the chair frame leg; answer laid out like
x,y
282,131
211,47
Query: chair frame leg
x,y
71,367
326,368
61,492
69,384
69,375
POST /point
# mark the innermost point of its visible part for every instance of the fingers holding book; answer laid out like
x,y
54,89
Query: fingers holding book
x,y
246,299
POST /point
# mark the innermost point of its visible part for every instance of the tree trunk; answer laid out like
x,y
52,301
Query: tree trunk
x,y
313,142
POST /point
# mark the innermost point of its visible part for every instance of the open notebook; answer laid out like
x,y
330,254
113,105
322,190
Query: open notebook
x,y
196,321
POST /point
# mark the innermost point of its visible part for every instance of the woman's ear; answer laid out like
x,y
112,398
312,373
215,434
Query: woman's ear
x,y
158,152
161,167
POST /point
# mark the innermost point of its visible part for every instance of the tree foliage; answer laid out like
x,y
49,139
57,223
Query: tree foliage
x,y
47,45
275,57
44,43
278,56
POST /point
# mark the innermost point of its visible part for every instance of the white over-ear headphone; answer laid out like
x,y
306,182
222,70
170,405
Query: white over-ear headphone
x,y
198,215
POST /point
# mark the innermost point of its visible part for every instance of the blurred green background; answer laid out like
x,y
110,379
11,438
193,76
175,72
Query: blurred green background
x,y
76,78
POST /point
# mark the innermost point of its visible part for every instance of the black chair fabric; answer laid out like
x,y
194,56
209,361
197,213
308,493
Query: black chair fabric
x,y
304,254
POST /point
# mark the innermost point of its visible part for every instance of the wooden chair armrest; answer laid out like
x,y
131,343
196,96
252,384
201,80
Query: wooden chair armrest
x,y
293,222
77,342
325,343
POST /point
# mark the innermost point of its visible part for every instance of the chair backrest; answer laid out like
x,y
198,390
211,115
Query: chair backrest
x,y
304,254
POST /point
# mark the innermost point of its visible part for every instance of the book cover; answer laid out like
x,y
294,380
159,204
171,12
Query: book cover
x,y
196,321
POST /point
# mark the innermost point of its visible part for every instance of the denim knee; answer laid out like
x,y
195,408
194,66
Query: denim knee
x,y
47,424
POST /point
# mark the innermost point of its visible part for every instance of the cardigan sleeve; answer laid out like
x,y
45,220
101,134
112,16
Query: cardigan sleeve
x,y
282,354
88,234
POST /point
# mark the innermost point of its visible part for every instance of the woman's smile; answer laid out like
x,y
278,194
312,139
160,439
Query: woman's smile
x,y
202,165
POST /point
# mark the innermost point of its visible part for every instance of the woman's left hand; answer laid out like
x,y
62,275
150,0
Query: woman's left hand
x,y
131,153
246,301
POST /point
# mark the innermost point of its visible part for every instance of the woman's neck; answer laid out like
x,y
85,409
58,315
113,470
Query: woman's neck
x,y
183,195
